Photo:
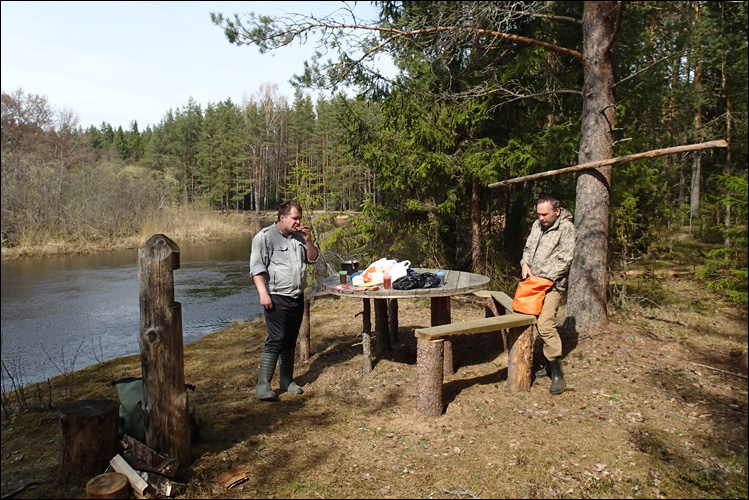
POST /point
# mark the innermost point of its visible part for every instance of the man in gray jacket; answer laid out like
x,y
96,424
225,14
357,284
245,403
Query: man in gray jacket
x,y
278,265
548,253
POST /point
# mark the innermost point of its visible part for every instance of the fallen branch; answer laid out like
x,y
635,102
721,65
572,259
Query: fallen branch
x,y
721,371
612,161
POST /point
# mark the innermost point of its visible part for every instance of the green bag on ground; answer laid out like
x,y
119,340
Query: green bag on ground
x,y
130,393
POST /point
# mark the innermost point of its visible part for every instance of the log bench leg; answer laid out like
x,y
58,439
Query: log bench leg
x,y
441,315
429,368
366,335
520,359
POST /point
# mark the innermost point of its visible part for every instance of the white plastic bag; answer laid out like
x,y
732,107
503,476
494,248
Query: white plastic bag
x,y
399,270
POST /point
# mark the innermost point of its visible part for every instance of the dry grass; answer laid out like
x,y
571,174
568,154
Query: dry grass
x,y
651,410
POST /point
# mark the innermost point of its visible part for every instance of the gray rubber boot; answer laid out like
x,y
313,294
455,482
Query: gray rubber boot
x,y
265,375
557,377
286,369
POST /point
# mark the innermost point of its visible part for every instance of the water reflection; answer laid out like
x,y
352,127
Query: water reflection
x,y
55,307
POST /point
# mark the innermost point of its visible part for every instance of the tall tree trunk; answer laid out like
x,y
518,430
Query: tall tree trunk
x,y
477,242
694,201
588,280
729,117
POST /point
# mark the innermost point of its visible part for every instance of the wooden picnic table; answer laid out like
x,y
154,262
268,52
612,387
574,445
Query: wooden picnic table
x,y
386,307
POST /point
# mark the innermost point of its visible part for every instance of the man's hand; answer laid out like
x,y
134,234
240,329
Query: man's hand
x,y
266,301
525,271
306,233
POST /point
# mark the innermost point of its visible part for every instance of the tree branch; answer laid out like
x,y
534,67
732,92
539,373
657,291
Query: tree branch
x,y
612,161
616,28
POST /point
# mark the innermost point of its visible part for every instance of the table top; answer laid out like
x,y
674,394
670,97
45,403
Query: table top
x,y
456,283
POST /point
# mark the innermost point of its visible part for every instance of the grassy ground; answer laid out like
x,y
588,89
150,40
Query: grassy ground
x,y
655,407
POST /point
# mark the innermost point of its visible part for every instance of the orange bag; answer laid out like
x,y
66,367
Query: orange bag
x,y
529,297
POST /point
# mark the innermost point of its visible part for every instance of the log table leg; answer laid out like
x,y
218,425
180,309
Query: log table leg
x,y
441,315
304,336
366,337
520,359
429,366
88,437
393,321
381,325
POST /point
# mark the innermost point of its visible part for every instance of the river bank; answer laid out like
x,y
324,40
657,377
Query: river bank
x,y
655,407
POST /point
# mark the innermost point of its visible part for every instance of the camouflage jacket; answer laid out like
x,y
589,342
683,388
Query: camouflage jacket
x,y
549,251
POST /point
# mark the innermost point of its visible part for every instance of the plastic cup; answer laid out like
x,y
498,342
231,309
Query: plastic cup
x,y
441,276
386,282
343,275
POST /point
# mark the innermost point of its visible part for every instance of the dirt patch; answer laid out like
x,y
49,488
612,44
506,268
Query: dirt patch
x,y
655,407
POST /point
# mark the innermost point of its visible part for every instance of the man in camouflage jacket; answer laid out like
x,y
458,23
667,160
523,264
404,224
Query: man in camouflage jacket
x,y
548,253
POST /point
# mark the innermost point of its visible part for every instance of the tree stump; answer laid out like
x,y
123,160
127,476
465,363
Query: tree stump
x,y
304,333
88,437
429,376
520,359
108,485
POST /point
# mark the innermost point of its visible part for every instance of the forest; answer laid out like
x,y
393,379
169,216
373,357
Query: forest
x,y
485,92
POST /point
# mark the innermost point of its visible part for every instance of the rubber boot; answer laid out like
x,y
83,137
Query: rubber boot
x,y
543,372
286,369
557,377
265,375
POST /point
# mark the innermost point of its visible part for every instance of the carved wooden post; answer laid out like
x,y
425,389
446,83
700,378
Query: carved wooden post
x,y
304,332
441,315
429,366
165,407
381,325
520,359
88,437
393,321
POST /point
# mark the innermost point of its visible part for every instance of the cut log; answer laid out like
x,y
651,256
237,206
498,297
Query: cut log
x,y
141,457
381,326
108,485
429,367
393,321
120,465
88,437
520,359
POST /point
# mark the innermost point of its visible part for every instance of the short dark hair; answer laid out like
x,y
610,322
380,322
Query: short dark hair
x,y
555,204
286,206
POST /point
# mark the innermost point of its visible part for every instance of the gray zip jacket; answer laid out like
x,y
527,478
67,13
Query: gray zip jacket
x,y
283,260
549,251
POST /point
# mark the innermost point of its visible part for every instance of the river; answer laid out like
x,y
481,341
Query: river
x,y
86,307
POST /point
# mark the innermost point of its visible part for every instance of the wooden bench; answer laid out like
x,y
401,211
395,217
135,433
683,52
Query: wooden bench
x,y
517,334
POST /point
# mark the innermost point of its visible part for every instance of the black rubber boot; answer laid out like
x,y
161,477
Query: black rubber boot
x,y
543,372
557,377
286,369
265,375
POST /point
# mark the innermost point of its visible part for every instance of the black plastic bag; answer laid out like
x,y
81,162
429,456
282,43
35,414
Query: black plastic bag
x,y
409,282
431,280
416,280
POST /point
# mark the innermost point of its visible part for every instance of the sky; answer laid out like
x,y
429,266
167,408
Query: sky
x,y
116,62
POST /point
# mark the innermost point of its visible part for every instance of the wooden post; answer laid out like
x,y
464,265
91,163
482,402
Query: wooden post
x,y
304,333
429,366
381,325
165,407
393,321
493,309
520,359
88,437
441,315
108,485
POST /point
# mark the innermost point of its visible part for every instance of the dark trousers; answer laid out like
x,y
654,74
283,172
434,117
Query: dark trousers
x,y
283,322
